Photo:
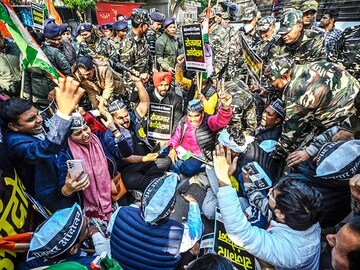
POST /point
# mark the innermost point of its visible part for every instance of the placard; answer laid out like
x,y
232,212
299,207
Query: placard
x,y
239,257
37,15
193,47
160,121
253,61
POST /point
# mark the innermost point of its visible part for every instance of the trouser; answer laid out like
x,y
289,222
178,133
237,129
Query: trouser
x,y
189,167
138,176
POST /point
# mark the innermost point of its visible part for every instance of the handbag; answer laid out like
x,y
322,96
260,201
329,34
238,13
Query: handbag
x,y
118,188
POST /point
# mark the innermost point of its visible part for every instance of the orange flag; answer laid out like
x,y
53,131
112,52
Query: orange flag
x,y
52,12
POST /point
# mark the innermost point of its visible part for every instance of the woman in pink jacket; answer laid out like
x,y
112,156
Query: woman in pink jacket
x,y
195,135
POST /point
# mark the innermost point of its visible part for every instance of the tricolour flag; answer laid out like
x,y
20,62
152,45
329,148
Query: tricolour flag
x,y
205,35
52,12
33,56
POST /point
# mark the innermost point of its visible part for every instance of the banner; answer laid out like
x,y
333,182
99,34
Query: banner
x,y
253,61
160,121
239,257
14,207
38,16
193,47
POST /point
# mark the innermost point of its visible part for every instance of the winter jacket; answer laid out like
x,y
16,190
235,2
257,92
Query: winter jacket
x,y
136,244
35,162
57,58
37,86
279,245
200,140
167,50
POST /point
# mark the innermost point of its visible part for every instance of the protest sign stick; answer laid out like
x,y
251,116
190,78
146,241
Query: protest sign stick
x,y
200,83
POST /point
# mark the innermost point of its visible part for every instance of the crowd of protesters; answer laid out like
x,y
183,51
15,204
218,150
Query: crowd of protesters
x,y
299,124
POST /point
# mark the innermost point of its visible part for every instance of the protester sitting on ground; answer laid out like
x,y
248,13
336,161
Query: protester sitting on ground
x,y
331,177
144,164
59,239
33,152
208,95
97,78
98,152
271,120
164,95
195,135
145,237
290,242
346,246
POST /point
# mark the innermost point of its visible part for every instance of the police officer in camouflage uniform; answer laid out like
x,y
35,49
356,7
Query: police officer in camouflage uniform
x,y
136,53
248,32
218,42
154,32
120,30
93,43
296,43
317,96
309,11
109,34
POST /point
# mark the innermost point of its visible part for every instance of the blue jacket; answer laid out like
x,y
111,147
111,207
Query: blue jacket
x,y
114,149
136,244
35,162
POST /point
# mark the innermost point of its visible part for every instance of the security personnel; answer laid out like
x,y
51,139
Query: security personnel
x,y
94,44
154,33
120,30
317,96
136,53
302,46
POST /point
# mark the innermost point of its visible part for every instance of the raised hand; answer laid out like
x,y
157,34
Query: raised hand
x,y
68,94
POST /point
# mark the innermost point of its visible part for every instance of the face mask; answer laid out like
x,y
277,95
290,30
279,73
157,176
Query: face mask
x,y
248,28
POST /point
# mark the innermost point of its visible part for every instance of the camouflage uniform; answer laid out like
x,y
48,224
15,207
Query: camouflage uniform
x,y
237,67
347,50
243,106
219,42
310,46
319,96
135,55
115,43
99,46
151,37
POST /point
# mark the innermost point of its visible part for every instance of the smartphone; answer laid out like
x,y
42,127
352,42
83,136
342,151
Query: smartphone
x,y
164,151
75,166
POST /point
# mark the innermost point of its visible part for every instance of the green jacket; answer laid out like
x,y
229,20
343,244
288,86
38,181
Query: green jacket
x,y
167,50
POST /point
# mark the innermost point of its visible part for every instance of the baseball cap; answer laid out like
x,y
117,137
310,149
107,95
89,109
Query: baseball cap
x,y
264,23
309,5
288,20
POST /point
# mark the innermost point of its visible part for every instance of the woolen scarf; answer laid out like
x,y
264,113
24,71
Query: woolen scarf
x,y
97,197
